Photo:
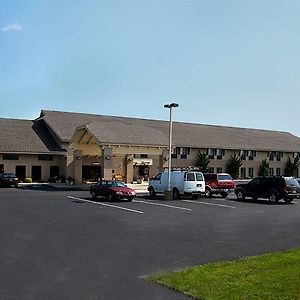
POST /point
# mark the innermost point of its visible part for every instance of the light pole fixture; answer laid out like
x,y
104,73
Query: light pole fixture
x,y
168,192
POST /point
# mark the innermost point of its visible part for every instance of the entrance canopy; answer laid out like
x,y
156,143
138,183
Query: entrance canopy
x,y
119,147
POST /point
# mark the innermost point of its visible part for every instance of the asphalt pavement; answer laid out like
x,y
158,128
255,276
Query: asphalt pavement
x,y
63,245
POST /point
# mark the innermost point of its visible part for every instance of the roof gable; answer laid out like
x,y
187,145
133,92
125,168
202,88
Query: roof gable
x,y
25,136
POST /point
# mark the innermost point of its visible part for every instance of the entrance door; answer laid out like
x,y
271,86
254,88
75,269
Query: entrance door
x,y
143,171
1,168
91,173
54,171
21,172
36,173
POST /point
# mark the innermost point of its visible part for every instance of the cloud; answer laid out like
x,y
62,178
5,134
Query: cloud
x,y
12,27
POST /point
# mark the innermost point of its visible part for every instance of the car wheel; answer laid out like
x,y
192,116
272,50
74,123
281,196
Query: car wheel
x,y
288,200
208,192
176,194
273,198
240,195
152,192
94,195
224,195
110,197
129,199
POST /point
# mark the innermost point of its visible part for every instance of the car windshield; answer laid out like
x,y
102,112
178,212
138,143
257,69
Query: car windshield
x,y
291,181
8,175
224,177
115,184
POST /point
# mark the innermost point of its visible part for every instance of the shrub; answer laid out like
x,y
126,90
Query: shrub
x,y
28,180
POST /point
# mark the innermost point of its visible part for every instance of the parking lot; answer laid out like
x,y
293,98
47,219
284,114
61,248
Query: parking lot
x,y
64,245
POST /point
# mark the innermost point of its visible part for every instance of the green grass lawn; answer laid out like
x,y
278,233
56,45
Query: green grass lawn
x,y
268,276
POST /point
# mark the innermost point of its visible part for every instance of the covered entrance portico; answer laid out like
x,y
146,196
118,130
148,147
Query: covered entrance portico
x,y
126,162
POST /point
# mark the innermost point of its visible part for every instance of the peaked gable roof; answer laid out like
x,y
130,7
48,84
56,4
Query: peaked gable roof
x,y
125,130
25,136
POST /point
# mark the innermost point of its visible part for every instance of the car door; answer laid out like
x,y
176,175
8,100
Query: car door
x,y
156,183
254,188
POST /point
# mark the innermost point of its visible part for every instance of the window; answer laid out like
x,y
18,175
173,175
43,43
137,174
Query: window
x,y
157,177
190,176
251,154
174,152
210,153
271,155
199,176
45,157
184,152
272,171
243,172
10,157
220,153
211,170
243,154
250,172
219,170
224,177
279,155
278,171
144,156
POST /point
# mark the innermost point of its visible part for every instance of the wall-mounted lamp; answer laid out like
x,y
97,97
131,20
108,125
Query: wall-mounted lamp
x,y
108,157
78,157
130,158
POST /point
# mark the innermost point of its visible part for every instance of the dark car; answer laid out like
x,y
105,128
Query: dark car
x,y
273,188
112,189
8,179
218,183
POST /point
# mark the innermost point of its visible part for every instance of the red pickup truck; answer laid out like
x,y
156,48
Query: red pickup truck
x,y
218,183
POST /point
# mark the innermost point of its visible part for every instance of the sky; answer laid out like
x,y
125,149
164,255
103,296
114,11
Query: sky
x,y
229,63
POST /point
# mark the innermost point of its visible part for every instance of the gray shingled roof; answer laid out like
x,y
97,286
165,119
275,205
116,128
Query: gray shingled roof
x,y
24,136
124,130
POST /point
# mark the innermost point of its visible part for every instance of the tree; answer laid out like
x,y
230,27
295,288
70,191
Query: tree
x,y
233,166
202,162
291,168
264,168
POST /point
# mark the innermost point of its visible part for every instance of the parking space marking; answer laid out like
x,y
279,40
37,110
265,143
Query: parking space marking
x,y
207,203
160,204
109,205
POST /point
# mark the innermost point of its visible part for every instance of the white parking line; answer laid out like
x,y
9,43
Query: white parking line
x,y
160,204
109,205
207,203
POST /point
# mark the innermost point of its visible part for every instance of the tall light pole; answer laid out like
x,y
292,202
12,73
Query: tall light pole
x,y
168,192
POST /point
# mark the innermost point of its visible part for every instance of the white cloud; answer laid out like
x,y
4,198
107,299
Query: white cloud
x,y
12,27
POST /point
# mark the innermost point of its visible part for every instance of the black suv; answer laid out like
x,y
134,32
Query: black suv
x,y
273,188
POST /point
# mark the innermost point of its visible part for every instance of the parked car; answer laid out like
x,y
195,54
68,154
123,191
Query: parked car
x,y
273,188
218,183
188,183
112,189
8,179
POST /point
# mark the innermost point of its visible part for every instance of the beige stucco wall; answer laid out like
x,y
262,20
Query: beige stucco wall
x,y
30,160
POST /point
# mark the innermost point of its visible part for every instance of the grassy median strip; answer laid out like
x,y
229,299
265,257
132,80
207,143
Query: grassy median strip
x,y
267,276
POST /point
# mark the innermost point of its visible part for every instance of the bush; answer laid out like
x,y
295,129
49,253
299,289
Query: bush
x,y
70,180
28,180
